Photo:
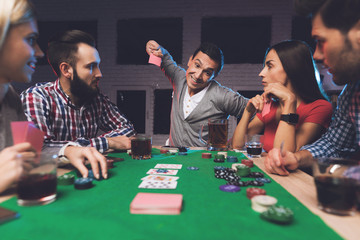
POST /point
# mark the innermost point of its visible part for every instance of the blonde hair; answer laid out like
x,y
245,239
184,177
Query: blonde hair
x,y
14,12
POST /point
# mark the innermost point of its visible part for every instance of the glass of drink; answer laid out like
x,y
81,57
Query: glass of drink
x,y
37,185
218,134
336,185
253,144
141,147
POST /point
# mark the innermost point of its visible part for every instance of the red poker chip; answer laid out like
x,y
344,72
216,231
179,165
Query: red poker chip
x,y
248,162
163,151
110,163
252,192
206,155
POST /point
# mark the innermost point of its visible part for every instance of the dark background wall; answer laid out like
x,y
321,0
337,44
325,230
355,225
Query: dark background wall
x,y
242,28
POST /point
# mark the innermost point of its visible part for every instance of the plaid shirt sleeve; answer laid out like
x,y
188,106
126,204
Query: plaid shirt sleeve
x,y
37,110
340,138
112,122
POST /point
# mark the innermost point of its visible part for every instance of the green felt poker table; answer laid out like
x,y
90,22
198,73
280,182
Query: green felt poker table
x,y
103,211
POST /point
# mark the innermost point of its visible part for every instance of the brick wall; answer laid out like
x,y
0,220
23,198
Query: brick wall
x,y
107,12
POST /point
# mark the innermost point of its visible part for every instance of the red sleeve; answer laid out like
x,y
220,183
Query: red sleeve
x,y
319,112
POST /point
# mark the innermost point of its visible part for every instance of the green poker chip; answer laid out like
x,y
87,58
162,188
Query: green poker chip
x,y
67,179
219,156
278,214
242,170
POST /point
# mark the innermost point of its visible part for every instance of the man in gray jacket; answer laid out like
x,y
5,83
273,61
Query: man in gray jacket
x,y
197,97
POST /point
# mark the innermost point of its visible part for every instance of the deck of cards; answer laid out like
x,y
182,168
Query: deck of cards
x,y
156,203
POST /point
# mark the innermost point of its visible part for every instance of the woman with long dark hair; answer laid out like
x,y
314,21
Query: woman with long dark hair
x,y
292,108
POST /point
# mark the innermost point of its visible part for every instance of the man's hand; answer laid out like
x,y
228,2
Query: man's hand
x,y
153,47
279,163
119,142
78,155
11,164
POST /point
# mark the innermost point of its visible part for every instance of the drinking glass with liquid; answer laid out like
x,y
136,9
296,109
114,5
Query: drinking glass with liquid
x,y
141,147
37,184
253,144
337,185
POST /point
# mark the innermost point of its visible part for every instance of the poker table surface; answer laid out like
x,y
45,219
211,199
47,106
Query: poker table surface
x,y
103,211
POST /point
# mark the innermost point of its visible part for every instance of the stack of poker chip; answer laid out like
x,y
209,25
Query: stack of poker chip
x,y
227,174
232,159
110,163
262,203
219,158
223,153
242,170
206,155
248,162
67,179
278,214
83,183
233,166
162,151
252,192
256,175
173,151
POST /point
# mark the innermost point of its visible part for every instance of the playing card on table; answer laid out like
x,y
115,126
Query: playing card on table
x,y
158,185
168,172
171,166
160,178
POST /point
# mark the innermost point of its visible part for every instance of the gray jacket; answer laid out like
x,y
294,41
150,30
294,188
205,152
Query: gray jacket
x,y
218,103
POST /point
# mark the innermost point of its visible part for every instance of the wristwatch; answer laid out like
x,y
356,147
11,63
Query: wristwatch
x,y
291,118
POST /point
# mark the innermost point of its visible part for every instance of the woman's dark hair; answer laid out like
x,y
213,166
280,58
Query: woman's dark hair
x,y
296,59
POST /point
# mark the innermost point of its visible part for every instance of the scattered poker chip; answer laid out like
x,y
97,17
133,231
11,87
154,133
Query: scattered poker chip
x,y
67,179
256,175
173,151
162,171
110,163
223,153
162,151
192,168
256,183
264,180
229,188
233,166
83,183
244,183
248,162
182,149
219,156
242,170
278,214
217,168
232,159
251,192
261,203
92,176
206,155
182,153
217,160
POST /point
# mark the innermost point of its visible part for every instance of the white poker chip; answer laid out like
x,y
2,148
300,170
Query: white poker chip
x,y
223,153
261,203
129,151
173,151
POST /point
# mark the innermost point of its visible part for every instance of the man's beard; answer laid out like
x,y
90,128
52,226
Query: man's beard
x,y
347,68
82,92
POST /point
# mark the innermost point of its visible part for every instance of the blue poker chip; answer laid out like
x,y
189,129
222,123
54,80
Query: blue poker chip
x,y
232,159
192,168
83,183
182,153
91,175
162,171
264,180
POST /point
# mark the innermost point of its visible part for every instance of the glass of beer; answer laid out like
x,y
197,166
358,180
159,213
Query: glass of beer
x,y
37,185
217,134
337,183
141,147
254,145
